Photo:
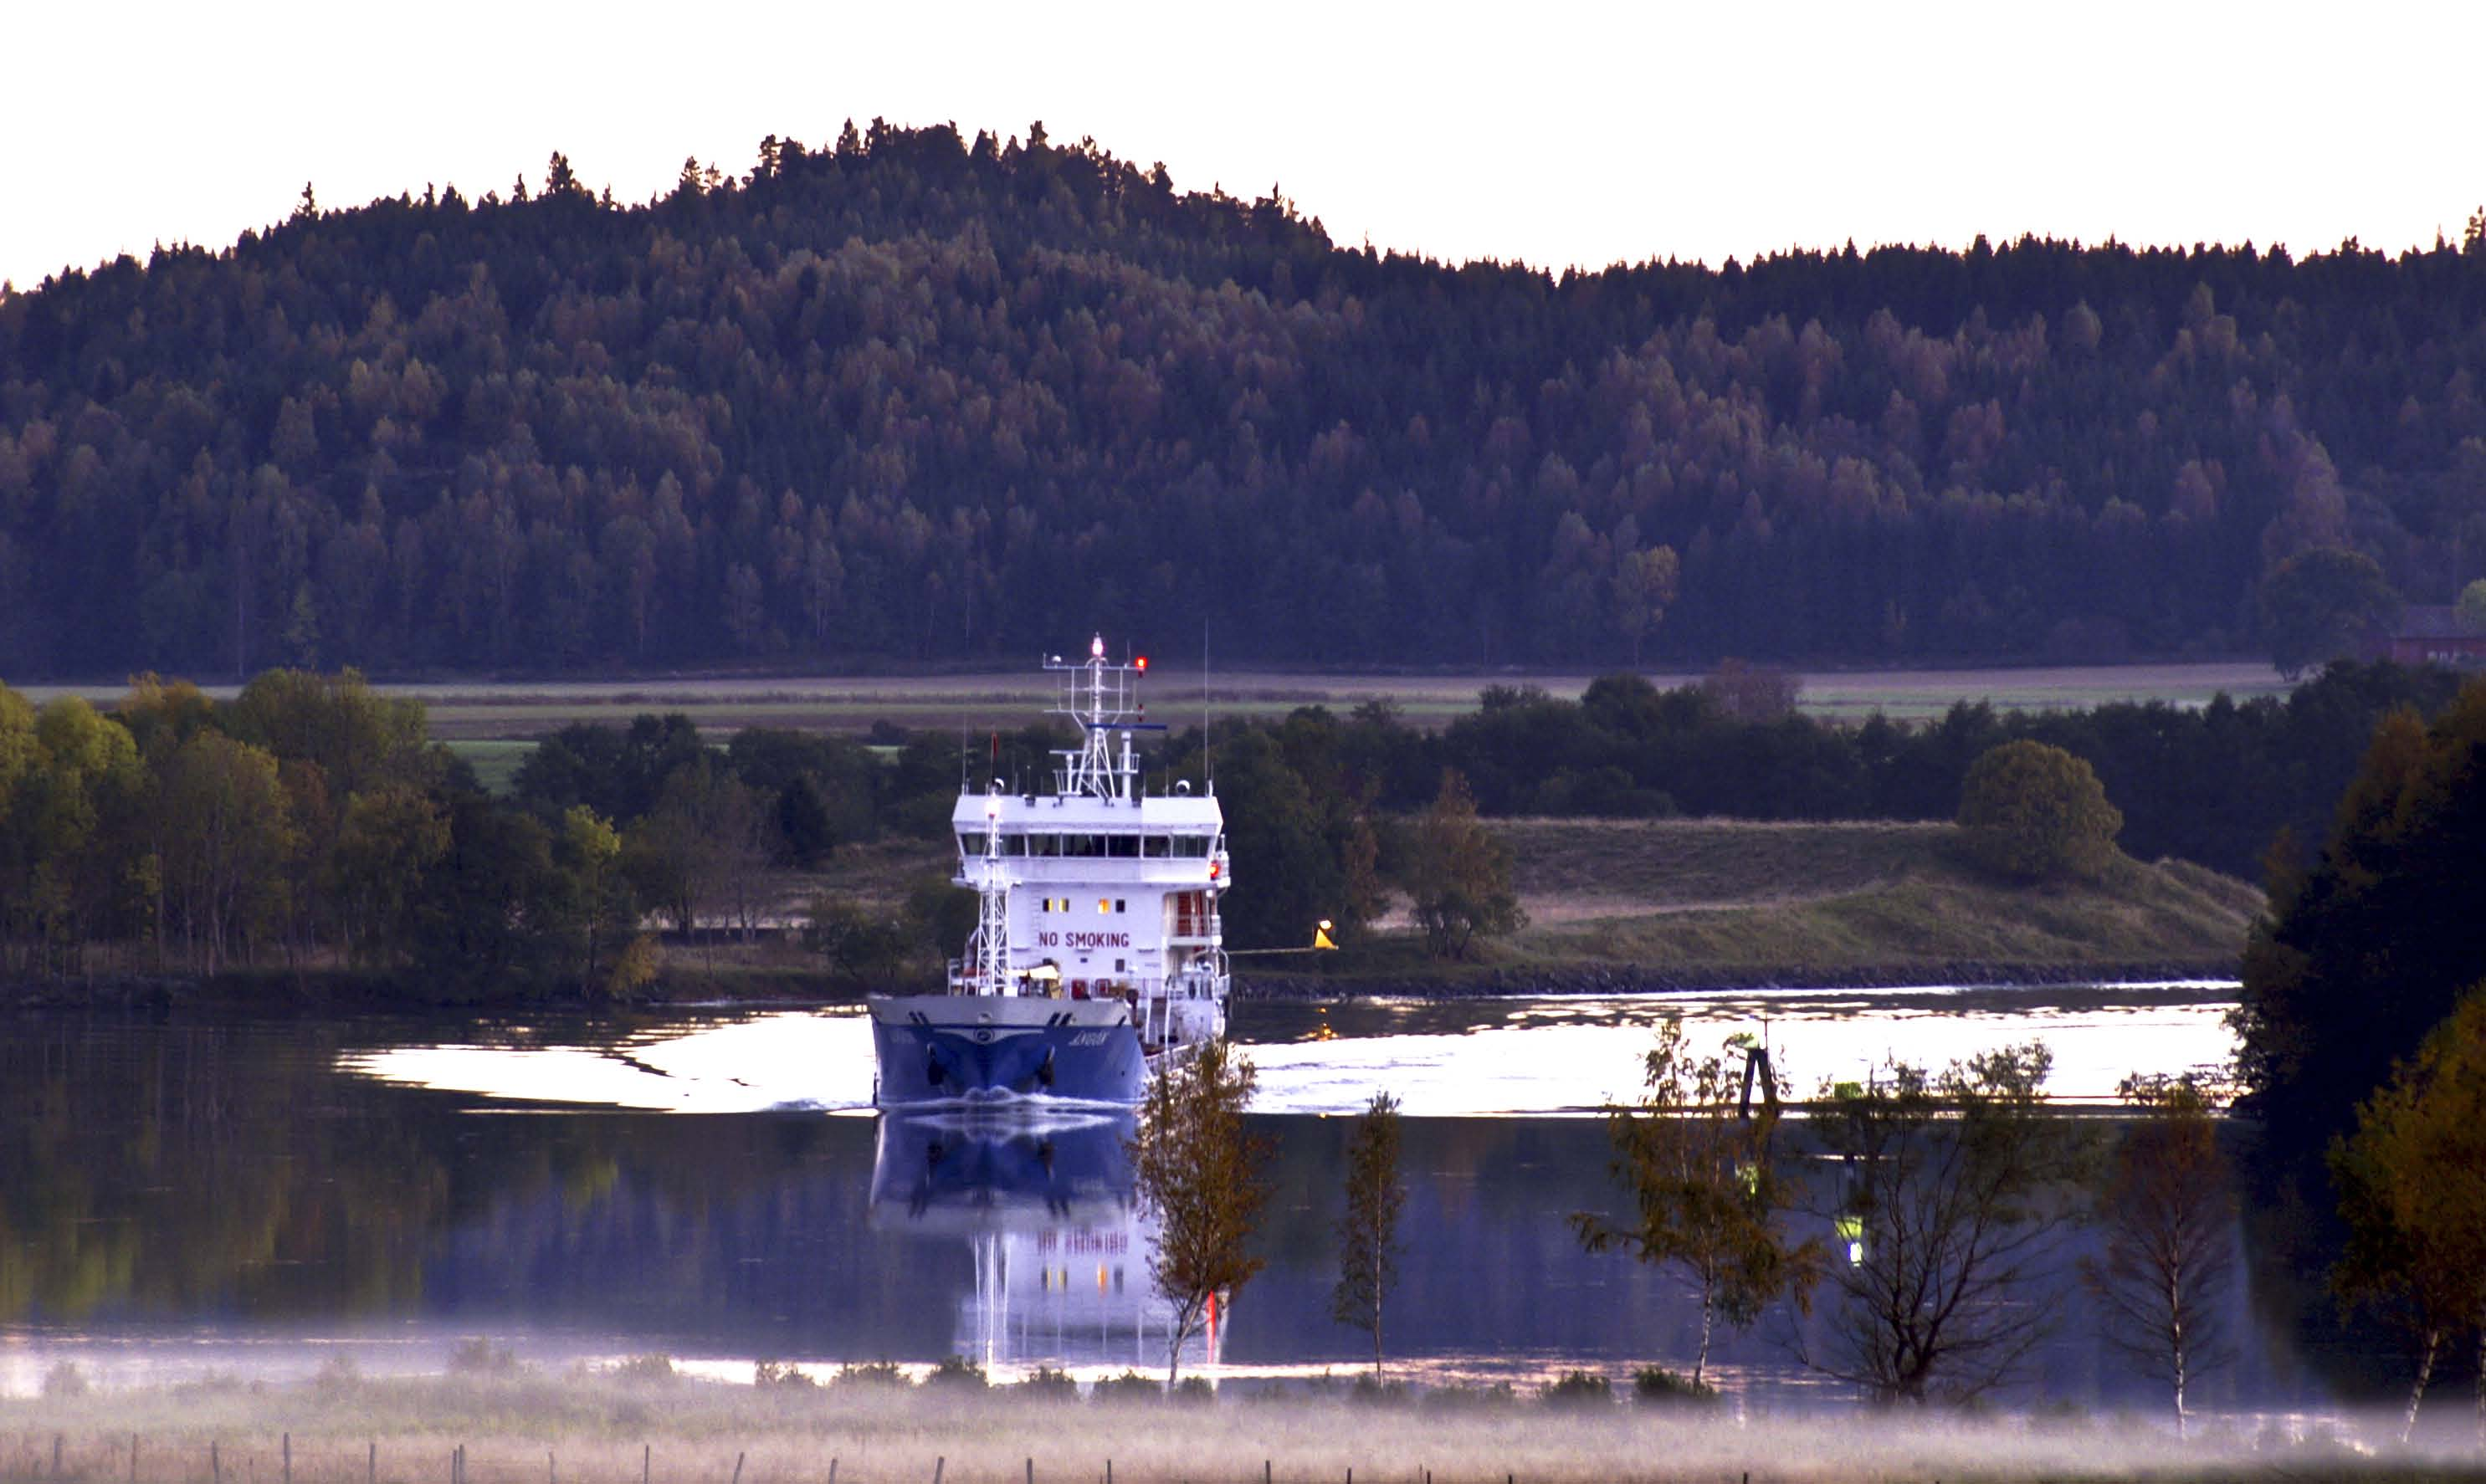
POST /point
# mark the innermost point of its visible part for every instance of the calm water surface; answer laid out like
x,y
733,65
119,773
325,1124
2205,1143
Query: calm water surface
x,y
179,1196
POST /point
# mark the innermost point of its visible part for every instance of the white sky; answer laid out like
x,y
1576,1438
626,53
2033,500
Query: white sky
x,y
1560,133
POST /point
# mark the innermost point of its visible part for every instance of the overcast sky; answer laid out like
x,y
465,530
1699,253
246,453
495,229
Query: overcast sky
x,y
1552,132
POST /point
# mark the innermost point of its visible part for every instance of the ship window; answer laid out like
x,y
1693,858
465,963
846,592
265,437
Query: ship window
x,y
1039,844
1158,845
1013,844
1123,846
971,845
1121,904
1192,846
1082,845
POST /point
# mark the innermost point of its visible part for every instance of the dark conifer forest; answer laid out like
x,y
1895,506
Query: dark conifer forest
x,y
912,398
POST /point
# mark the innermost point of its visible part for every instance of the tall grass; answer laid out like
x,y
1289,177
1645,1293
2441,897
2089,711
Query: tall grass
x,y
604,1427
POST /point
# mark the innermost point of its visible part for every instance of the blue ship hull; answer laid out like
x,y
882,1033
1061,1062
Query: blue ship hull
x,y
955,1049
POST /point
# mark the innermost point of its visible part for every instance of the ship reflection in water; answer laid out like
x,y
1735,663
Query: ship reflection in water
x,y
1044,1202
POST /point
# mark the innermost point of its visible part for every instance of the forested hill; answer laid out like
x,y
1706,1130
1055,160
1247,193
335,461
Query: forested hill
x,y
911,398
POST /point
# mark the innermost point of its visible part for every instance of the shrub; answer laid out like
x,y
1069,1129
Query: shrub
x,y
480,1356
1657,1386
2032,810
337,1374
646,1369
65,1379
956,1372
1128,1387
871,1373
1578,1389
1370,1391
1194,1391
772,1373
1495,1397
1046,1384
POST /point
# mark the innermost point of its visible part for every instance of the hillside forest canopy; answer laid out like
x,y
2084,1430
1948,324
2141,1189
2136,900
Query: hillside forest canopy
x,y
898,396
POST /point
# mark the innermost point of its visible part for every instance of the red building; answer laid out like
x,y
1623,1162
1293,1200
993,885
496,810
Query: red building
x,y
2432,635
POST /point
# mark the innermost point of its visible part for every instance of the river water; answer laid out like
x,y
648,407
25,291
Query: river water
x,y
181,1196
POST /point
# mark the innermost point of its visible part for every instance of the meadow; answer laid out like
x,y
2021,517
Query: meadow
x,y
640,1422
469,711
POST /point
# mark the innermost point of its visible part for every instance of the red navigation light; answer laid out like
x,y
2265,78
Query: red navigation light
x,y
1141,664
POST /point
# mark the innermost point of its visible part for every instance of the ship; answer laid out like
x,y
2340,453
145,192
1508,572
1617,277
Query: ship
x,y
1098,956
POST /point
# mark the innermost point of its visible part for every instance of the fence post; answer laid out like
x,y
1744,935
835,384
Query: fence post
x,y
647,1450
133,1458
215,1463
738,1468
938,1464
289,1458
372,1465
56,1455
552,1468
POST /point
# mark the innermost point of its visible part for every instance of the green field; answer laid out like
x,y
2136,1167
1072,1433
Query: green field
x,y
1693,896
518,710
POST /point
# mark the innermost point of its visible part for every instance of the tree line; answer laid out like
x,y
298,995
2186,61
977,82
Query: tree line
x,y
2222,783
308,823
874,397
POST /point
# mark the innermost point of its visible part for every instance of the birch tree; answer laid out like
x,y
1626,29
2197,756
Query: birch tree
x,y
2167,1211
1368,1234
1706,1200
2412,1185
1198,1172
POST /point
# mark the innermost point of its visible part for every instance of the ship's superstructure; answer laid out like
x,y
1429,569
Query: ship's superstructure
x,y
1098,949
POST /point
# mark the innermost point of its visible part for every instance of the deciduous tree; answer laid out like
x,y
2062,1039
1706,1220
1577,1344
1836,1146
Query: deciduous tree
x,y
2167,1211
2317,604
2033,811
1708,1200
2412,1185
1198,1172
1955,1191
1458,875
1368,1245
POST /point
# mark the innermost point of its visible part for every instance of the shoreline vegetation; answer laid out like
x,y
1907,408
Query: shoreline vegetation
x,y
644,1420
1616,907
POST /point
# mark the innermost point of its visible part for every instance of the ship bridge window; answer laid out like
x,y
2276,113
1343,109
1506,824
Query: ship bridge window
x,y
1043,844
1082,846
1192,846
1159,846
1123,846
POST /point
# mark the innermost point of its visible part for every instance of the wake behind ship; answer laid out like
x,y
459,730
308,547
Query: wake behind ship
x,y
1098,951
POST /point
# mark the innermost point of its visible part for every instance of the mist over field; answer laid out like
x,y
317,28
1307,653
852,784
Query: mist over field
x,y
603,1427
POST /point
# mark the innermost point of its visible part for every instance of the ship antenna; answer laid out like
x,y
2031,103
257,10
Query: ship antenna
x,y
1207,757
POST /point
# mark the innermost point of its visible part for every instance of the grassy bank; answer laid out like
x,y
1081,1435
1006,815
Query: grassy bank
x,y
1654,903
603,1427
1687,893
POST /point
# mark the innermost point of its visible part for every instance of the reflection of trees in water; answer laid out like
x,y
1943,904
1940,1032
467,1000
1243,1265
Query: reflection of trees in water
x,y
166,1168
173,1170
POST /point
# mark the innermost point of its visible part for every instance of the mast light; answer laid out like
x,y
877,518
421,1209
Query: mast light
x,y
1141,664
